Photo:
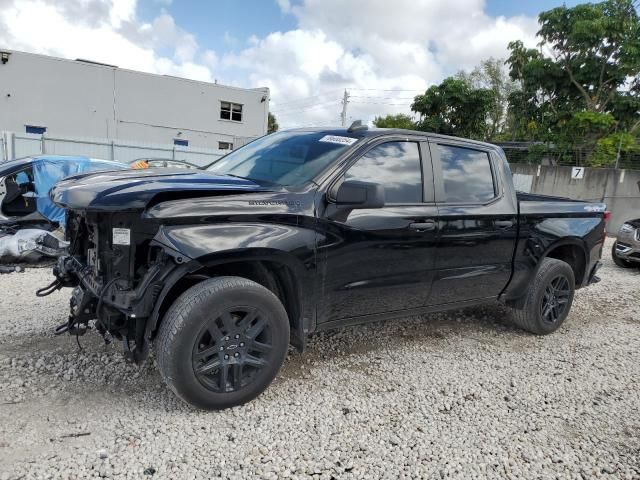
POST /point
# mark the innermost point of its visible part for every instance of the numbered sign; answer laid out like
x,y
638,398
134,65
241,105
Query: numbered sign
x,y
577,173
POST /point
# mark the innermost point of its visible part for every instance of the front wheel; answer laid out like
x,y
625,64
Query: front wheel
x,y
222,342
621,262
549,299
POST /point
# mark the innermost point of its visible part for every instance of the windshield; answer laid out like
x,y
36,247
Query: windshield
x,y
285,158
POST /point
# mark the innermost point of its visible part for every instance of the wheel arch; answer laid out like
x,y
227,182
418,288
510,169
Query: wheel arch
x,y
280,272
572,251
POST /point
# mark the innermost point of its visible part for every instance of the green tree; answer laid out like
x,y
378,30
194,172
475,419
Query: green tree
x,y
583,83
395,121
492,74
455,108
272,123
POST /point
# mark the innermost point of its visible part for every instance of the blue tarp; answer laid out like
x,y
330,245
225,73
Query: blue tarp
x,y
50,169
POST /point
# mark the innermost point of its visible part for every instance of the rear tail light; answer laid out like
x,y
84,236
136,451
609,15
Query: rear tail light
x,y
607,216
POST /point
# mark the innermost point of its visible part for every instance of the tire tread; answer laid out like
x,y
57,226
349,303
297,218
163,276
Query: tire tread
x,y
527,318
176,319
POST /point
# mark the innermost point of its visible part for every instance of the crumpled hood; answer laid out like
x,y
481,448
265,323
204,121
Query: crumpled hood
x,y
135,189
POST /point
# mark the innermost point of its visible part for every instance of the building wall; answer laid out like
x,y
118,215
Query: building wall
x,y
81,99
619,189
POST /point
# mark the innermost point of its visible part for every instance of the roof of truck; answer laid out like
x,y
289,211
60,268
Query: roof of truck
x,y
377,132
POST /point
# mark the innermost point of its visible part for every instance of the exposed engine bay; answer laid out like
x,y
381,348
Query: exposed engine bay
x,y
116,272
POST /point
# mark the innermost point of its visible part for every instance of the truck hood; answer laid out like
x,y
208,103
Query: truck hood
x,y
136,189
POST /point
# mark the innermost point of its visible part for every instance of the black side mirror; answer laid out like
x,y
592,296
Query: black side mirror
x,y
357,194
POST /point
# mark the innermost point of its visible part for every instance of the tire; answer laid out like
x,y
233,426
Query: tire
x,y
620,261
207,347
553,276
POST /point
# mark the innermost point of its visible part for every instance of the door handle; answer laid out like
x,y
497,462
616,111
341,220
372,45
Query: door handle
x,y
423,226
503,223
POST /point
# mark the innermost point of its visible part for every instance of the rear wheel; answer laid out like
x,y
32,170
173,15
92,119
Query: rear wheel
x,y
549,299
621,262
222,342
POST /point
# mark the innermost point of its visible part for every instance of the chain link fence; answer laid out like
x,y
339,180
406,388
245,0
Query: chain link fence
x,y
534,153
14,145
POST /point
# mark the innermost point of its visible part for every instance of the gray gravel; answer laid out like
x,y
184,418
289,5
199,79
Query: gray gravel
x,y
457,395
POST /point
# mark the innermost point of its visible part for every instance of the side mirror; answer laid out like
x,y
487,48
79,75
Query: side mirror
x,y
357,194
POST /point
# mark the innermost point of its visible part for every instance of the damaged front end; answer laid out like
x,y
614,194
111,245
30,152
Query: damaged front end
x,y
117,271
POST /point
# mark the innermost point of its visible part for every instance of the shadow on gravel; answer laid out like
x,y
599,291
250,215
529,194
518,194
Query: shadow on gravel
x,y
486,324
97,370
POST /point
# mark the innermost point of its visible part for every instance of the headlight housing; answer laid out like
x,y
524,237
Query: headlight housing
x,y
627,227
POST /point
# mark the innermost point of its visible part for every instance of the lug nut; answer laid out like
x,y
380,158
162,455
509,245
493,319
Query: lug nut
x,y
237,336
226,338
242,344
226,357
221,348
236,354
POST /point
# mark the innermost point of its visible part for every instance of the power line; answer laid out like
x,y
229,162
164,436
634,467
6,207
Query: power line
x,y
383,98
383,90
381,103
305,99
304,107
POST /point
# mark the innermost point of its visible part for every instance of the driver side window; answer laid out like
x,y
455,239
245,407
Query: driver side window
x,y
396,166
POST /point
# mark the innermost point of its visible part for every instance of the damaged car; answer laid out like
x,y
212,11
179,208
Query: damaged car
x,y
27,214
307,230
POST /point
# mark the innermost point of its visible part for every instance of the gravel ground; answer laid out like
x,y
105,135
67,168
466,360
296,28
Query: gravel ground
x,y
456,395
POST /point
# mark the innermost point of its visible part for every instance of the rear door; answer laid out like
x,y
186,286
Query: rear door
x,y
381,260
477,220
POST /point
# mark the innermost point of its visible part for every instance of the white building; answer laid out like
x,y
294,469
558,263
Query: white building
x,y
57,97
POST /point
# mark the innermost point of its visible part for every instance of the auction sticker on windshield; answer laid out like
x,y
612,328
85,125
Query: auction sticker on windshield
x,y
338,139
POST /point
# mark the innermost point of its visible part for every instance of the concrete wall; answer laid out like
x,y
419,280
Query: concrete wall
x,y
72,98
619,189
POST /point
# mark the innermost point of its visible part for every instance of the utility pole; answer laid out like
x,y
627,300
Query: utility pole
x,y
618,152
343,114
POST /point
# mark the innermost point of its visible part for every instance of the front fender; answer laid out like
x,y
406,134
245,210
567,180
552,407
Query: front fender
x,y
202,241
210,245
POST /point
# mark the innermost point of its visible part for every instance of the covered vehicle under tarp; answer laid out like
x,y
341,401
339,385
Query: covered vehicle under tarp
x,y
48,170
29,220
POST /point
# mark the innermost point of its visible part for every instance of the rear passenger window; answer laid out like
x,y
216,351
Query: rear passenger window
x,y
466,175
396,166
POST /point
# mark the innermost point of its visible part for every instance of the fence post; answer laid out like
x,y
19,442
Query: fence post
x,y
42,145
173,152
113,150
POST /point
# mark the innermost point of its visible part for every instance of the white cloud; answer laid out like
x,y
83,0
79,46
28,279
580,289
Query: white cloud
x,y
367,46
105,31
285,5
370,46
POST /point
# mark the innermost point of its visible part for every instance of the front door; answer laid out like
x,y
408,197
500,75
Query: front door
x,y
381,260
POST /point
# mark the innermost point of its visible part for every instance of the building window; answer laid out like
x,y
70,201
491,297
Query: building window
x,y
35,130
225,146
181,142
231,111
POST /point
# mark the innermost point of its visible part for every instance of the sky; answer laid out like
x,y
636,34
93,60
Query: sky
x,y
384,52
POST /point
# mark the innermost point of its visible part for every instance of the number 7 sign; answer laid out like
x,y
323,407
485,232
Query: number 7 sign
x,y
577,173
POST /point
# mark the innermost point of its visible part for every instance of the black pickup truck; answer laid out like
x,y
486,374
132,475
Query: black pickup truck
x,y
305,230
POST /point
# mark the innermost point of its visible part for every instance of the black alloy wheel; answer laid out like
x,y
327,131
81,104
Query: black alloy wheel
x,y
548,299
231,349
222,342
555,299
